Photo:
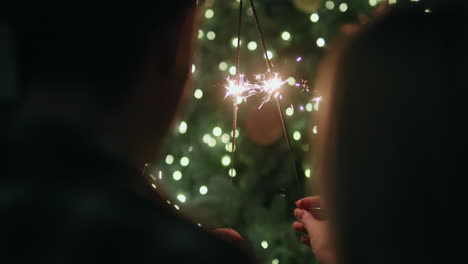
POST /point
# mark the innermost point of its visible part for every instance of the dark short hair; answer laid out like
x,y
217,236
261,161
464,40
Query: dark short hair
x,y
99,44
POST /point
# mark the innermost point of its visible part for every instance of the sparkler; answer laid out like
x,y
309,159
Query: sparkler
x,y
271,87
268,84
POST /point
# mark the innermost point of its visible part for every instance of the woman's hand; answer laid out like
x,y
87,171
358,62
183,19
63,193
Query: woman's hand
x,y
316,229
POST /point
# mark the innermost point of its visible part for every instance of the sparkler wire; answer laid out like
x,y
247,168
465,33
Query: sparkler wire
x,y
278,104
235,107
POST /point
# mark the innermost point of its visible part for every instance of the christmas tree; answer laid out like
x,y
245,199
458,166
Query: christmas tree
x,y
254,190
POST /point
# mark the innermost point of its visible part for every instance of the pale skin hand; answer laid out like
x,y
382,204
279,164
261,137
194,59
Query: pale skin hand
x,y
316,231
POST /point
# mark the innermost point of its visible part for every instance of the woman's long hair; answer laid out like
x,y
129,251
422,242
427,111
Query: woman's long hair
x,y
384,159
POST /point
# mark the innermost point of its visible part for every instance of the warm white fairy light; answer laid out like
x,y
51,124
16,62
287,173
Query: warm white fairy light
x,y
223,66
309,107
209,13
225,138
176,207
307,173
200,34
232,172
286,35
297,135
237,133
206,138
226,160
289,111
210,35
329,5
177,175
203,190
184,161
212,142
234,42
372,2
154,186
275,261
320,42
392,2
252,45
270,54
291,81
228,147
264,244
169,159
232,70
315,130
217,131
181,198
343,7
198,94
183,127
314,18
194,68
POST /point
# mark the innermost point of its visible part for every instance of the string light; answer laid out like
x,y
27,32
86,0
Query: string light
x,y
209,13
252,45
343,7
198,94
286,36
176,207
183,127
181,198
232,172
169,159
237,133
184,161
289,111
270,54
234,42
232,70
275,261
203,190
320,42
315,130
229,147
372,2
154,186
177,175
225,138
291,81
307,173
309,107
211,35
206,138
392,2
212,142
194,68
297,135
264,244
223,66
226,160
329,5
217,131
200,34
314,18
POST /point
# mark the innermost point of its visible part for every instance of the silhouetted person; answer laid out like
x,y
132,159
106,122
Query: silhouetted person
x,y
391,175
100,87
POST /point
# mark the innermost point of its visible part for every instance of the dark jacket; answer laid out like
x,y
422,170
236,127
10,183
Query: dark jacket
x,y
63,199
